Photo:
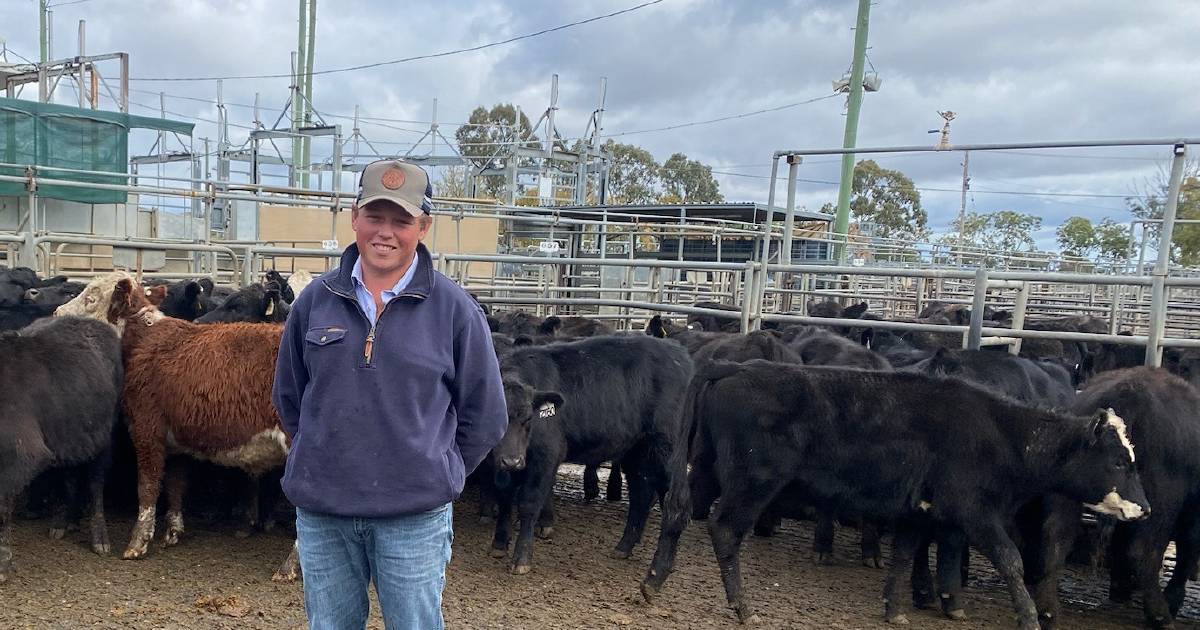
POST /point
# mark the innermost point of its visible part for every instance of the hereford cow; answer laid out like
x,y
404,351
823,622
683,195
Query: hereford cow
x,y
298,281
173,408
1163,413
61,380
899,447
622,397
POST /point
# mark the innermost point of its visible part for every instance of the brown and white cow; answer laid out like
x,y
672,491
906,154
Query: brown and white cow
x,y
221,414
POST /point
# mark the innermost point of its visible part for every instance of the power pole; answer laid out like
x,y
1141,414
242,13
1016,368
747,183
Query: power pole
x,y
962,205
842,222
308,68
44,30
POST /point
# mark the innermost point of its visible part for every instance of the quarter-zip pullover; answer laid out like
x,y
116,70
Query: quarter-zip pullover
x,y
389,415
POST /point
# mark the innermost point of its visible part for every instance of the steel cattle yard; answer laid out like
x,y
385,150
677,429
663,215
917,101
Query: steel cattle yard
x,y
1043,409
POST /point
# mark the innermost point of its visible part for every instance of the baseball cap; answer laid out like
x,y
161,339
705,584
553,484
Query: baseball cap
x,y
400,182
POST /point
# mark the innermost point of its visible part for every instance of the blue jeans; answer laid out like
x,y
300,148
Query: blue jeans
x,y
406,557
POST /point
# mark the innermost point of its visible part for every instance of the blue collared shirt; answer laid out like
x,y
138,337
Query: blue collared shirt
x,y
366,300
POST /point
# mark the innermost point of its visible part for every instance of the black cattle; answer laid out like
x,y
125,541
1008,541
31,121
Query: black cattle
x,y
691,338
574,327
255,303
285,290
25,298
186,300
1162,412
62,381
818,346
623,397
1025,380
16,283
516,323
897,446
821,347
832,309
56,294
756,344
712,323
21,315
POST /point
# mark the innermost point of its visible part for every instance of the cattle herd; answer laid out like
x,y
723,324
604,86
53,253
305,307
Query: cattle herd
x,y
899,434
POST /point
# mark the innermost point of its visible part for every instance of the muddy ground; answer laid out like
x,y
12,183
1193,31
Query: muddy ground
x,y
215,580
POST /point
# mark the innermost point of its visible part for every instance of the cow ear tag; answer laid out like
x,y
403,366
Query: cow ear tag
x,y
546,410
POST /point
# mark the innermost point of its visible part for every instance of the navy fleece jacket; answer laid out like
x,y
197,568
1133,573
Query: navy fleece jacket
x,y
395,426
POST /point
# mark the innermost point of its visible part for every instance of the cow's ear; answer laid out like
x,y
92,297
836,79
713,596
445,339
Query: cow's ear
x,y
192,290
547,404
522,340
654,327
867,338
122,301
854,312
273,297
206,284
550,326
156,294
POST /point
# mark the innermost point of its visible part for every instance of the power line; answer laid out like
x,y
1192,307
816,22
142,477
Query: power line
x,y
416,57
721,119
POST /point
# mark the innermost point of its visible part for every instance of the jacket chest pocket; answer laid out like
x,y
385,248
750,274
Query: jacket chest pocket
x,y
325,335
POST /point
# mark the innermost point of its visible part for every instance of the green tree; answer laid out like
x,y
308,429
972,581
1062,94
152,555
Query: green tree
x,y
452,183
1112,239
1152,201
887,199
1077,237
483,141
1006,231
688,181
632,174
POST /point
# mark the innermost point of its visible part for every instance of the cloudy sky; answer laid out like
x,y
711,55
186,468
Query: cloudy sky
x,y
1013,70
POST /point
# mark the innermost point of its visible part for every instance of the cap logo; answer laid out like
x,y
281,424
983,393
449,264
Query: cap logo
x,y
392,179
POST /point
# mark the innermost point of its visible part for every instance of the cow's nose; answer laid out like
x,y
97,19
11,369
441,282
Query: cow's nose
x,y
512,463
31,294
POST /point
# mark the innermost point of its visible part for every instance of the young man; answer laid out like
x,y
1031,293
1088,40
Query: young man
x,y
388,386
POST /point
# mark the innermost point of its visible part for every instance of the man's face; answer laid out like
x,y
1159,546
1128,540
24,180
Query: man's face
x,y
387,236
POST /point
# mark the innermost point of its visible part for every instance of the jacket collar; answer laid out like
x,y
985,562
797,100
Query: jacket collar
x,y
421,285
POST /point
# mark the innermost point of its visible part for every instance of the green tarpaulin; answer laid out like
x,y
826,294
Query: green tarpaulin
x,y
44,134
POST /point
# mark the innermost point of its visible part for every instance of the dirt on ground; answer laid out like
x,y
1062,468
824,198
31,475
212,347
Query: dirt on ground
x,y
213,579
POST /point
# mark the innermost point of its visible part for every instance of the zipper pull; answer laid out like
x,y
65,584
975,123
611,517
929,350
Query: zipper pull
x,y
370,347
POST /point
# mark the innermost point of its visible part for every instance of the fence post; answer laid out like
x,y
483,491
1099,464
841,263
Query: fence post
x,y
1158,300
1018,316
975,331
749,294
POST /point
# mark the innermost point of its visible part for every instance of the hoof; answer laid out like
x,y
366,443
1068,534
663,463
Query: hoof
x,y
498,553
649,593
242,534
825,559
957,614
764,532
923,600
102,549
873,563
484,519
520,569
57,533
285,577
544,533
134,553
746,617
899,620
618,554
